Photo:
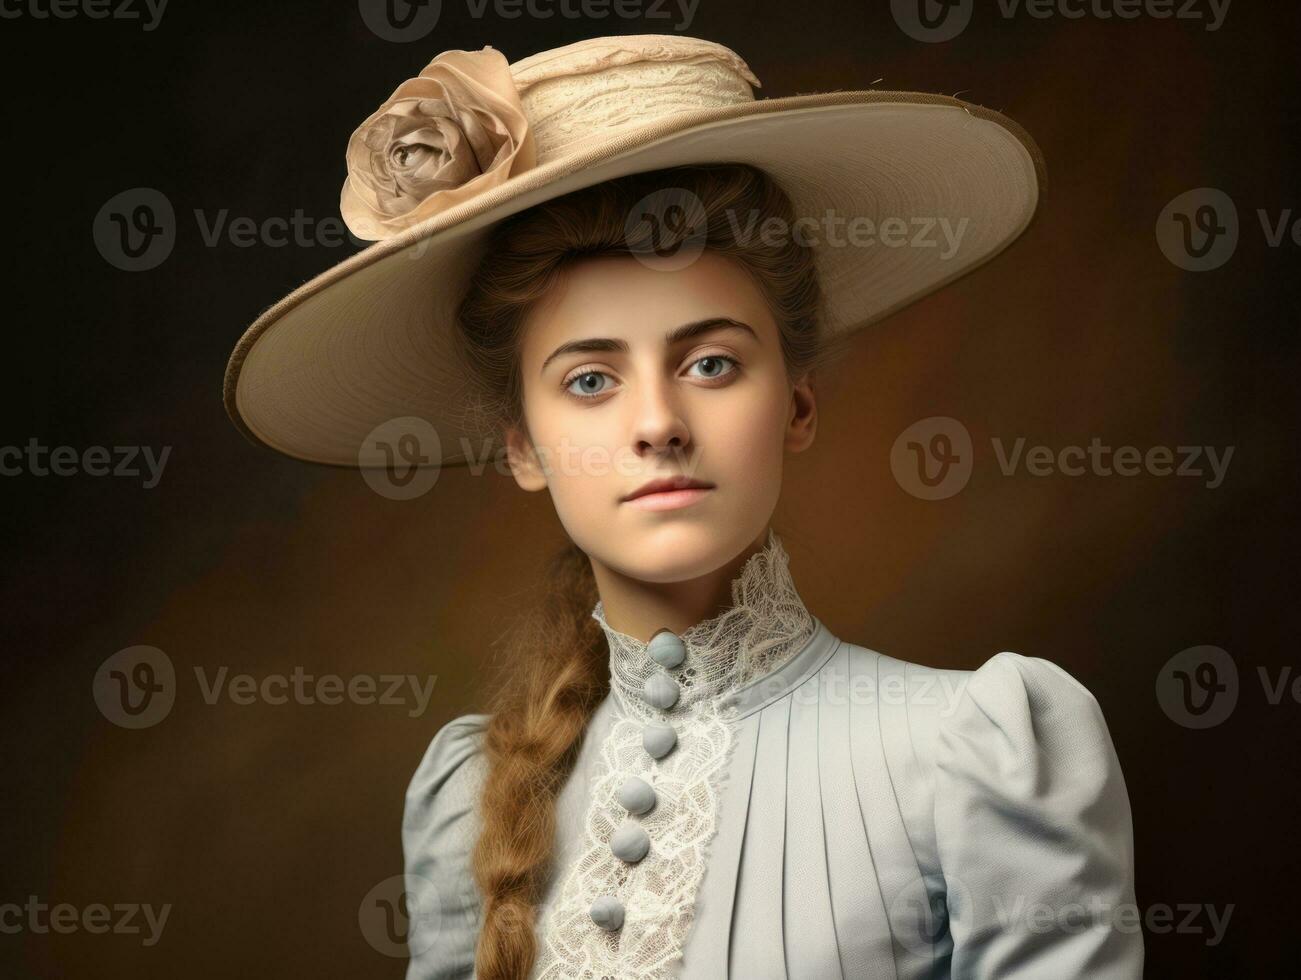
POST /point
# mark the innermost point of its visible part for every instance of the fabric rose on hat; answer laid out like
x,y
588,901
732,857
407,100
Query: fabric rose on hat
x,y
453,132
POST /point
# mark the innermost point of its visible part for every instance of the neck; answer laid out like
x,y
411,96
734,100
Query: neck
x,y
640,608
765,623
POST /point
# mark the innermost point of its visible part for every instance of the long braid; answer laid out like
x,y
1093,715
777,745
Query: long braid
x,y
538,721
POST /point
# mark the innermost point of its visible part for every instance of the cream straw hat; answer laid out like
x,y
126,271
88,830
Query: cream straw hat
x,y
475,139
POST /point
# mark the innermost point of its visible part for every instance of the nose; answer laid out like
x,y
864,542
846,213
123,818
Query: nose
x,y
658,426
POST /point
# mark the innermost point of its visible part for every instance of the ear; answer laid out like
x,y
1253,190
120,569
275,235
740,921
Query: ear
x,y
803,421
525,464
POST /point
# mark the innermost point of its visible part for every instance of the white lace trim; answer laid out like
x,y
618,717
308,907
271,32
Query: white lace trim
x,y
766,625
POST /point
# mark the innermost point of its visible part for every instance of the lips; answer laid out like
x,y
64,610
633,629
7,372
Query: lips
x,y
669,483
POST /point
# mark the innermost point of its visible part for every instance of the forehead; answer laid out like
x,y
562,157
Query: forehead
x,y
625,297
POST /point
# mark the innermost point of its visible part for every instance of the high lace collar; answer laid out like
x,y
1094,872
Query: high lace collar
x,y
765,626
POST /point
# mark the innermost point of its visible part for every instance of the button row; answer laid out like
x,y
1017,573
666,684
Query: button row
x,y
630,842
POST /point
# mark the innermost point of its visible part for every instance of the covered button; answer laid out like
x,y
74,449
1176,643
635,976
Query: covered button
x,y
636,795
658,740
660,690
607,912
666,649
630,842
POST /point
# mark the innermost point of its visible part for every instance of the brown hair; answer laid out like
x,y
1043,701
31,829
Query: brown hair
x,y
555,669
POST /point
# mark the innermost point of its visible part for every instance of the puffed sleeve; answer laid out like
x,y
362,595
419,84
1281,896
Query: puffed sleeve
x,y
440,825
1033,830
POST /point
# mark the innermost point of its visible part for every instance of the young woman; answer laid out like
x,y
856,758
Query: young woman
x,y
684,772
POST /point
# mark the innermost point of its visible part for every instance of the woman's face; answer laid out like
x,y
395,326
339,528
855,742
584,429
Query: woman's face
x,y
633,373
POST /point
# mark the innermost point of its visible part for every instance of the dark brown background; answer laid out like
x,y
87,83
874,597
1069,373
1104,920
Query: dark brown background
x,y
264,826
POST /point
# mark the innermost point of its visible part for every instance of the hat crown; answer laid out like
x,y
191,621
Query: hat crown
x,y
589,91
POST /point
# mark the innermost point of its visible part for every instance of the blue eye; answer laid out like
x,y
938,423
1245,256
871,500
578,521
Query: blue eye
x,y
590,383
716,359
581,379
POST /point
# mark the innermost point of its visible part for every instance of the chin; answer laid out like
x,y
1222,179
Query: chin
x,y
677,550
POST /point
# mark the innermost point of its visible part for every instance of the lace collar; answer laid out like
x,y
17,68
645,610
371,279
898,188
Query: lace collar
x,y
765,626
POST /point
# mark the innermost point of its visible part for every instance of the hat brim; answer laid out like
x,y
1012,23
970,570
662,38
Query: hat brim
x,y
369,340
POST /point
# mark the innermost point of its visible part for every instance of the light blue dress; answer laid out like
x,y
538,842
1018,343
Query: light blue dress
x,y
878,819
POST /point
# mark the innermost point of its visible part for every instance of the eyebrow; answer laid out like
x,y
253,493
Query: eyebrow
x,y
675,336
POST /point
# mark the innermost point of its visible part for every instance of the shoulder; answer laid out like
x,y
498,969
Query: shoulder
x,y
1029,805
441,796
439,828
1010,705
1025,743
1018,733
1009,699
457,742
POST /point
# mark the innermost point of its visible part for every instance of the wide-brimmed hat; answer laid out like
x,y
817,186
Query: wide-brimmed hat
x,y
904,192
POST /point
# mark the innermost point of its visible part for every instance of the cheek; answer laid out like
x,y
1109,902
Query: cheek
x,y
745,439
584,485
579,447
748,427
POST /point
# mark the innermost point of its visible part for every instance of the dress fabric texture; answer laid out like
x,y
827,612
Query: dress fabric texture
x,y
827,812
